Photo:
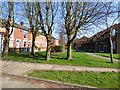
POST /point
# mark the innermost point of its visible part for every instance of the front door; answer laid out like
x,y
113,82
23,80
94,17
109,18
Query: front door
x,y
17,44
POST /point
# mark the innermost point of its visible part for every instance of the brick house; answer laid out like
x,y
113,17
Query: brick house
x,y
79,42
41,43
100,41
2,31
21,37
54,42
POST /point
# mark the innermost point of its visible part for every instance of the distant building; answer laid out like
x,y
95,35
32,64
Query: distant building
x,y
54,42
41,43
79,42
61,39
100,41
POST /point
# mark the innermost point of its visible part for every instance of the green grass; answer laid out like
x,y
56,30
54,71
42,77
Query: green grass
x,y
115,56
79,59
96,79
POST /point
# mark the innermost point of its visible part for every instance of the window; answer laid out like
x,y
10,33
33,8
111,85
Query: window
x,y
29,44
101,47
113,32
41,38
114,45
25,34
40,44
25,43
17,44
105,35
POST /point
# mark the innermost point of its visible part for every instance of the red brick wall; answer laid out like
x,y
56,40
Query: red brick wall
x,y
19,34
54,42
78,42
118,38
118,42
41,41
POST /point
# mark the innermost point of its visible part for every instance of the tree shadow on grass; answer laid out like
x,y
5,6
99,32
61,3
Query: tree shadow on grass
x,y
40,56
59,58
19,55
108,62
90,60
27,55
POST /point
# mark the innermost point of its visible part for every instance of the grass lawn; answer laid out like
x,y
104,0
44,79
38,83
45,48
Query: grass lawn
x,y
115,56
96,79
79,59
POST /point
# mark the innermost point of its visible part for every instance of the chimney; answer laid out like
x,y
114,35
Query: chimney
x,y
22,23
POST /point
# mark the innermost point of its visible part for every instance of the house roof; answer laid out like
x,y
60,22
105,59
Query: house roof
x,y
99,34
84,38
54,38
4,21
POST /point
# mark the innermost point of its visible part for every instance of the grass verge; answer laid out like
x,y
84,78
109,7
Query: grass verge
x,y
115,56
96,79
79,59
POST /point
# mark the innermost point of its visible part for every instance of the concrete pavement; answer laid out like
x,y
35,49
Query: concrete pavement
x,y
17,68
8,82
92,54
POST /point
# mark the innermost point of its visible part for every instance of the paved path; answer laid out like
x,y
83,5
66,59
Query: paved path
x,y
21,69
17,68
10,82
102,57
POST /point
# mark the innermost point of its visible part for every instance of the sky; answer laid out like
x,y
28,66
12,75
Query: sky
x,y
61,0
20,18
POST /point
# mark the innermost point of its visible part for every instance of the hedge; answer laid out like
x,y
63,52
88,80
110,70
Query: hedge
x,y
59,48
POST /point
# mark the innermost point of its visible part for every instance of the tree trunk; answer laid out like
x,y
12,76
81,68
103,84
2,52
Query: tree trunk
x,y
32,54
48,50
6,44
111,47
69,51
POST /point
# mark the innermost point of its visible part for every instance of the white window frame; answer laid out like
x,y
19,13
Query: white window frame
x,y
26,34
19,43
26,43
113,32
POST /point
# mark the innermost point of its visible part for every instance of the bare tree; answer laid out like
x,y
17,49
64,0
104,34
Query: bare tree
x,y
79,15
62,38
62,33
7,24
109,12
32,15
47,12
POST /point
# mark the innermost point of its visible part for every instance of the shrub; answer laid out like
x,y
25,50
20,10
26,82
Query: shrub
x,y
52,49
65,46
59,48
